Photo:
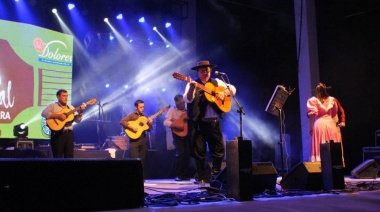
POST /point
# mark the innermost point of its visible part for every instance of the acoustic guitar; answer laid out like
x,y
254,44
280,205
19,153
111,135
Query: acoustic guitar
x,y
56,124
182,120
210,92
142,124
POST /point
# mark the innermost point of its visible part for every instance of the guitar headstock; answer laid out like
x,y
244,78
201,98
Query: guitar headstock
x,y
181,77
165,109
91,102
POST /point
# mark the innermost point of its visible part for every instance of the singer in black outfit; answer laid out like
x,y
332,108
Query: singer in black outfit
x,y
203,123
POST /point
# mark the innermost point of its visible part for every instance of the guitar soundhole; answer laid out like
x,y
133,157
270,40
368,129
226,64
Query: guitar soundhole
x,y
141,124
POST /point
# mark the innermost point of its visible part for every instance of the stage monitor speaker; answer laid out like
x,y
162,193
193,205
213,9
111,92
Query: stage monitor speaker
x,y
44,184
264,177
306,176
369,169
332,166
239,169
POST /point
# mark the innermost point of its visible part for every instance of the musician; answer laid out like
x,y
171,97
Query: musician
x,y
138,145
62,141
176,120
204,126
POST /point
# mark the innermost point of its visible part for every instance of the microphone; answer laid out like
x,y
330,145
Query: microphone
x,y
220,73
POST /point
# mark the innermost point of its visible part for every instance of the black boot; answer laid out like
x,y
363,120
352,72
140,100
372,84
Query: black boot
x,y
216,167
200,166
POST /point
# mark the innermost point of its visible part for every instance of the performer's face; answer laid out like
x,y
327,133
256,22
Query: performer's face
x,y
62,98
204,73
180,104
140,108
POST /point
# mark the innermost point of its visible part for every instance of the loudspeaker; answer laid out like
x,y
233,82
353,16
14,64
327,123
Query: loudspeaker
x,y
264,177
22,153
239,169
44,184
305,176
332,166
367,170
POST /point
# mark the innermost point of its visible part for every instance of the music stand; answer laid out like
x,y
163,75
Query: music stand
x,y
274,107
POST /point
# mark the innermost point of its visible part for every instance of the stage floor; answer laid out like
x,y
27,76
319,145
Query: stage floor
x,y
170,195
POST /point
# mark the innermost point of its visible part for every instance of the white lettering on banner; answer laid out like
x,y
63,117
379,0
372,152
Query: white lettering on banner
x,y
6,96
54,54
4,115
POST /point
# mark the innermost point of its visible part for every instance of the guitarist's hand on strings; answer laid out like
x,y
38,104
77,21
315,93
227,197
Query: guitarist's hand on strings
x,y
220,95
81,108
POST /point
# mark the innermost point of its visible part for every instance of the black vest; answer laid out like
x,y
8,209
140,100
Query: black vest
x,y
197,108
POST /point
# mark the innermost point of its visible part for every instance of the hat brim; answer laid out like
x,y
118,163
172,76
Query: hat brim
x,y
197,67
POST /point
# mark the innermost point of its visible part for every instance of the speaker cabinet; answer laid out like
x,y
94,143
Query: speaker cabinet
x,y
306,176
369,169
264,177
332,166
239,169
44,184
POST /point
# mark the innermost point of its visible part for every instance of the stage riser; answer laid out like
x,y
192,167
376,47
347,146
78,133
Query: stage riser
x,y
70,184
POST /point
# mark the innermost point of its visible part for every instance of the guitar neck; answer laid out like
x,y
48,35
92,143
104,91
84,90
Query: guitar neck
x,y
207,90
155,115
188,79
73,111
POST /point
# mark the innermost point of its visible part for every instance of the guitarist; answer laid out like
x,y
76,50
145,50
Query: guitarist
x,y
176,120
62,141
139,145
204,126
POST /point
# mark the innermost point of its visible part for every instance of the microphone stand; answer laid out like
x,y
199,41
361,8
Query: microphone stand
x,y
101,119
240,108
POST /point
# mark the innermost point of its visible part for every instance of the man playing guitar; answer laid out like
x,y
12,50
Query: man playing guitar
x,y
176,119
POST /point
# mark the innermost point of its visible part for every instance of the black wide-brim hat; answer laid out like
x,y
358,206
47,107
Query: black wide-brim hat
x,y
203,63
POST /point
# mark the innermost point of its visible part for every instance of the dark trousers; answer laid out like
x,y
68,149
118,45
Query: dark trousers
x,y
182,155
201,135
139,148
62,144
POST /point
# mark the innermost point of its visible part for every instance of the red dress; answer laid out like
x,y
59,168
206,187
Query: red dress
x,y
324,126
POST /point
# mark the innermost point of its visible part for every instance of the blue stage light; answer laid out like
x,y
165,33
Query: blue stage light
x,y
71,6
168,24
155,28
120,16
142,20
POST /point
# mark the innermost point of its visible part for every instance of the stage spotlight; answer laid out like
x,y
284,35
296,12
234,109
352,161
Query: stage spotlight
x,y
54,11
155,28
120,16
168,24
107,85
126,86
71,6
163,90
130,40
167,45
150,43
111,37
106,20
142,20
20,131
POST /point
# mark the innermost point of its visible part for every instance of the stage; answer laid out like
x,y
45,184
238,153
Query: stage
x,y
169,195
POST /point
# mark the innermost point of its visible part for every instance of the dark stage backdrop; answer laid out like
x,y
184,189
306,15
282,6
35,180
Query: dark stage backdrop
x,y
256,46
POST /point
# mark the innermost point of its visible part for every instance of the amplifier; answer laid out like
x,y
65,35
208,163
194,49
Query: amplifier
x,y
117,142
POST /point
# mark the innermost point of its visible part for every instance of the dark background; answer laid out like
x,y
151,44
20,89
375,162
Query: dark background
x,y
254,42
